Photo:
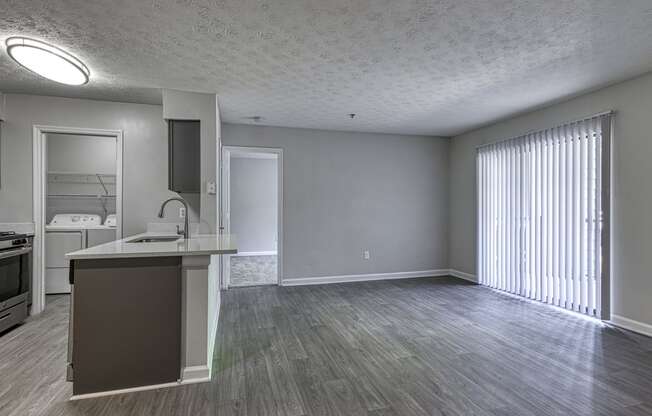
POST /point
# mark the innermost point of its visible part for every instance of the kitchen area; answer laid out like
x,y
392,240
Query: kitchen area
x,y
118,225
167,315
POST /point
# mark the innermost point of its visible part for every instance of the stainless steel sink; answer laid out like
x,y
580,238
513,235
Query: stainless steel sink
x,y
155,239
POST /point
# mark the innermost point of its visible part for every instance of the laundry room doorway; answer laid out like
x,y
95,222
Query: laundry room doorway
x,y
77,201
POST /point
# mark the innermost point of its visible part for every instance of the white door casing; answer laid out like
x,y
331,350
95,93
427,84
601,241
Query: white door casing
x,y
225,203
39,159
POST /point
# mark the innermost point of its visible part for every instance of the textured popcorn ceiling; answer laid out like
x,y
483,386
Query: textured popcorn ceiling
x,y
423,67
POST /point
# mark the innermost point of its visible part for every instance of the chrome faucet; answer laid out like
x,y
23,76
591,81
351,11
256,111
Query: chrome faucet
x,y
186,229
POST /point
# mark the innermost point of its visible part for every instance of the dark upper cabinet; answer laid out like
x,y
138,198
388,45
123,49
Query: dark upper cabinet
x,y
184,156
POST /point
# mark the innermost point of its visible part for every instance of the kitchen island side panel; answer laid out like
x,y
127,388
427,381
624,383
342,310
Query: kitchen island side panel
x,y
126,323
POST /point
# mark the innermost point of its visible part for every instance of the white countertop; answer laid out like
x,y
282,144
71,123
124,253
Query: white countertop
x,y
196,245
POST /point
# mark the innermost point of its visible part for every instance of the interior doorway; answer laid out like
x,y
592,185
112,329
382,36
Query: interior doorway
x,y
251,207
77,200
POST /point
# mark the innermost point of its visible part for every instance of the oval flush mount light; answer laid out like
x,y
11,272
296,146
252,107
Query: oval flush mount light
x,y
47,61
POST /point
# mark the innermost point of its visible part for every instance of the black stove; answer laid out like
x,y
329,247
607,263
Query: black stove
x,y
11,235
15,277
10,240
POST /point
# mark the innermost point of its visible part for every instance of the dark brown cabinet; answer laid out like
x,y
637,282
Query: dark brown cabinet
x,y
184,156
125,323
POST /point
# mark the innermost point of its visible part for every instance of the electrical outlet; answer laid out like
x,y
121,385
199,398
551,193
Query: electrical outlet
x,y
366,255
211,188
182,212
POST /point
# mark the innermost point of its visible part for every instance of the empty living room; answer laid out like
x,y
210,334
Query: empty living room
x,y
325,208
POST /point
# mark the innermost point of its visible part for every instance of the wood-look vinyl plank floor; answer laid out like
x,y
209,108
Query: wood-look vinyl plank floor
x,y
432,346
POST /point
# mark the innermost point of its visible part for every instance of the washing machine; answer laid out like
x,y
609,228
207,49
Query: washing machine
x,y
66,233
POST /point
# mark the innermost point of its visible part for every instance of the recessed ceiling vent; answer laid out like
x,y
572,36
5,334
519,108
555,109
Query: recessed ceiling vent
x,y
255,119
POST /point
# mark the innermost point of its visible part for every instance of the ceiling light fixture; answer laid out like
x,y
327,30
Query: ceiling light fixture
x,y
47,61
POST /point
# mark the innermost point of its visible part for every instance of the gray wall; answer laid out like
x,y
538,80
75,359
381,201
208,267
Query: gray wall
x,y
346,192
81,154
185,105
631,189
144,152
254,203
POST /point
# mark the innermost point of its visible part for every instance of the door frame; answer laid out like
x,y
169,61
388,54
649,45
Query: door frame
x,y
39,189
225,204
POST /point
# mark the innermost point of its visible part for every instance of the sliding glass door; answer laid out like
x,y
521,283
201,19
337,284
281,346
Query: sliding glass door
x,y
543,206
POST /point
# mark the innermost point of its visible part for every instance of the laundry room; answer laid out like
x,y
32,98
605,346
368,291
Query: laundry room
x,y
80,205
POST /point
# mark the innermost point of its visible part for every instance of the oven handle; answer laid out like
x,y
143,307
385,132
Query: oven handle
x,y
12,253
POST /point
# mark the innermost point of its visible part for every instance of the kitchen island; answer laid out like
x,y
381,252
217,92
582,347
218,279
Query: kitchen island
x,y
144,312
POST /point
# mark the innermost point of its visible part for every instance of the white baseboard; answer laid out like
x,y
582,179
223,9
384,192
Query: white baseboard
x,y
195,374
321,280
632,325
124,391
254,253
466,276
190,375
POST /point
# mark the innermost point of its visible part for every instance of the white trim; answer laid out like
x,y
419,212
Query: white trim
x,y
39,182
225,212
227,153
123,391
212,333
279,238
252,151
462,275
254,253
195,374
631,325
38,188
253,155
320,280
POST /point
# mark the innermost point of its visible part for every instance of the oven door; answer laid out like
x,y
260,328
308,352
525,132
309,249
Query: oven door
x,y
14,276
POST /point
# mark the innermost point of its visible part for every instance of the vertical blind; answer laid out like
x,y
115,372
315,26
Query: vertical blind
x,y
542,203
